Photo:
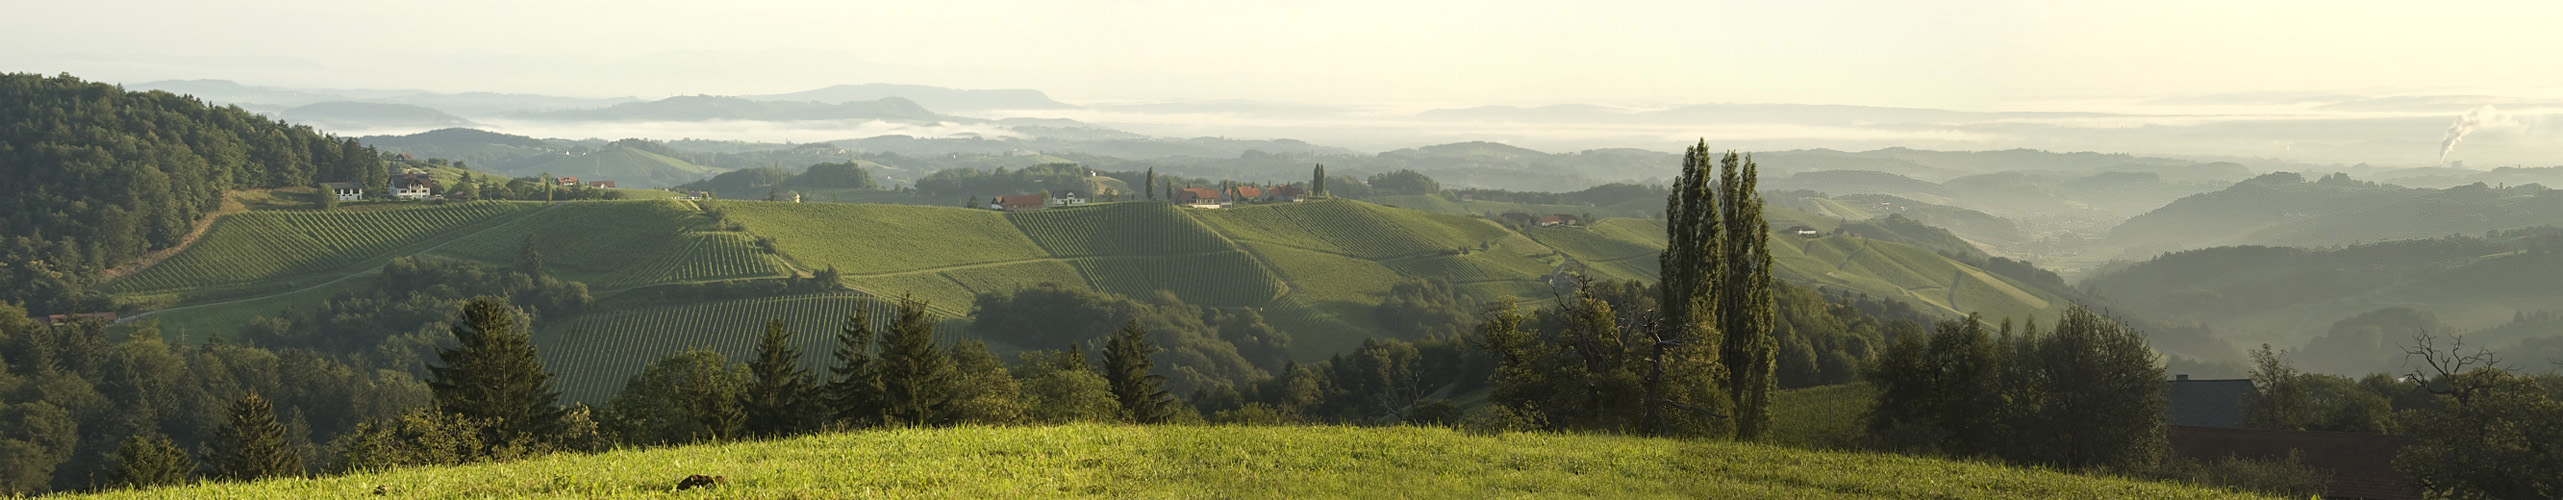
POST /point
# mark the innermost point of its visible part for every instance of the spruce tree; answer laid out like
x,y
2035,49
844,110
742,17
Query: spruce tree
x,y
254,446
530,260
917,377
1745,315
780,401
492,374
147,461
1143,395
854,396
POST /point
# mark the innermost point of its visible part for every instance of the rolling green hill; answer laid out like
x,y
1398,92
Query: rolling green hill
x,y
2286,296
1315,270
1088,461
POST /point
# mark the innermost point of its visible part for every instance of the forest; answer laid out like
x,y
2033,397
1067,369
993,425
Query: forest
x,y
100,175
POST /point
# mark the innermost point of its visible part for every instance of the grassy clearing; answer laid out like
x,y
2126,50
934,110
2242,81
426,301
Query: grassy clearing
x,y
1090,461
1821,418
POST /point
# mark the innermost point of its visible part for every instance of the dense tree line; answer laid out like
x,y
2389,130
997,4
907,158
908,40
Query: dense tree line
x,y
1052,177
2478,429
97,175
2086,394
1204,345
759,182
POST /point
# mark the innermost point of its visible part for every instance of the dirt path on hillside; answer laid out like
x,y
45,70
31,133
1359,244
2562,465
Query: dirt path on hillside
x,y
228,206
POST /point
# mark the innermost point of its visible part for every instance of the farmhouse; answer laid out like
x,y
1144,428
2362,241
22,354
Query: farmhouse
x,y
1249,193
345,191
1020,203
1289,193
1555,219
1197,195
601,184
1804,231
566,181
1066,198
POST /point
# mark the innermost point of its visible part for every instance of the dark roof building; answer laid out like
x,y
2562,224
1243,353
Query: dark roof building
x,y
1022,203
2210,403
2362,465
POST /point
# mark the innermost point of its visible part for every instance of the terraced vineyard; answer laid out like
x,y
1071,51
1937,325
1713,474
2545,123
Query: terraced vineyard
x,y
614,244
1230,278
275,248
1118,229
893,238
593,356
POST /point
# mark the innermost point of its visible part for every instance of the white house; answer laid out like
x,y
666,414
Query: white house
x,y
1065,199
413,190
346,191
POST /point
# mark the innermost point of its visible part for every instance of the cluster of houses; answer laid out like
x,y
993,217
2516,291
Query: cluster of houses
x,y
416,184
1194,197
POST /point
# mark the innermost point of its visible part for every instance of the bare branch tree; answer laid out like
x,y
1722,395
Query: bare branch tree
x,y
2445,365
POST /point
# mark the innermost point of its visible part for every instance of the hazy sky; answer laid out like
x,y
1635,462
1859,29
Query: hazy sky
x,y
1988,55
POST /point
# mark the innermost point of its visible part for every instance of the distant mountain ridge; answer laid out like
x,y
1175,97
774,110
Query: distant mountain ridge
x,y
936,98
363,115
708,108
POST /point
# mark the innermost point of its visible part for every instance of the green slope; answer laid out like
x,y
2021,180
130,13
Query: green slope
x,y
1089,461
1627,248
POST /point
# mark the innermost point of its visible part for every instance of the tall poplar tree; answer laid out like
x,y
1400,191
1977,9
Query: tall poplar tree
x,y
854,396
1143,395
1745,313
254,446
1317,182
492,374
1687,375
1151,186
781,400
917,377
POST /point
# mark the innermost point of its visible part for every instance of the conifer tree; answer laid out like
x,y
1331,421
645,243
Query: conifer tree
x,y
854,396
780,400
530,259
1151,186
492,374
1745,315
144,461
917,377
254,446
1143,395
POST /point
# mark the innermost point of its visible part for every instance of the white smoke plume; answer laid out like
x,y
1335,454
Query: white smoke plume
x,y
2476,119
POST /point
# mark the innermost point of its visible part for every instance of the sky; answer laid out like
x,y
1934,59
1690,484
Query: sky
x,y
1967,55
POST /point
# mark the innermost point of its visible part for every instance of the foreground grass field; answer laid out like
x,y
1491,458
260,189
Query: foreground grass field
x,y
1090,461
